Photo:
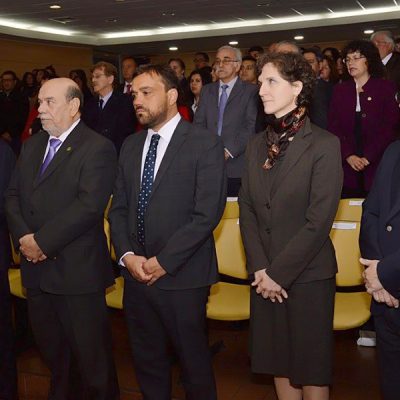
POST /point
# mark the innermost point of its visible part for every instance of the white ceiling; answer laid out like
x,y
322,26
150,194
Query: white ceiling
x,y
150,25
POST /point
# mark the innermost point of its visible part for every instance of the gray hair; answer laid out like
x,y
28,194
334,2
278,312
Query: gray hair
x,y
73,92
387,34
238,53
285,44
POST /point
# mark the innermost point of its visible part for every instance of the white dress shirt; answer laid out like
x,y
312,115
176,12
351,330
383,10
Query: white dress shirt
x,y
165,133
105,98
387,58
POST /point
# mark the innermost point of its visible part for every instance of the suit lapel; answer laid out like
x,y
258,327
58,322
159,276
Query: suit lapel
x,y
236,91
137,165
389,210
67,148
176,142
38,155
300,143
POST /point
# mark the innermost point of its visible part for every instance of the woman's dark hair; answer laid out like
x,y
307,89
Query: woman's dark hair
x,y
80,73
292,67
334,51
204,75
370,52
334,75
25,78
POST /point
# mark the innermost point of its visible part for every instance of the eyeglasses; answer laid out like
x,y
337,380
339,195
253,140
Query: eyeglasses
x,y
347,60
224,61
98,76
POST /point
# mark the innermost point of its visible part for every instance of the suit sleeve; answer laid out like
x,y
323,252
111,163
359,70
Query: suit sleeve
x,y
119,212
16,223
256,258
210,198
326,185
200,117
95,187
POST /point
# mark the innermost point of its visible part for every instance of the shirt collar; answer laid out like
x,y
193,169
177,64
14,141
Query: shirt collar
x,y
230,83
65,134
387,58
168,129
106,97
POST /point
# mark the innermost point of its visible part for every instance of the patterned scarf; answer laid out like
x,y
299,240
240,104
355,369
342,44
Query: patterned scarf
x,y
281,132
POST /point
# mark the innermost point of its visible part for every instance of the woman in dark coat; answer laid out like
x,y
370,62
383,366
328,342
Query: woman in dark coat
x,y
289,196
364,115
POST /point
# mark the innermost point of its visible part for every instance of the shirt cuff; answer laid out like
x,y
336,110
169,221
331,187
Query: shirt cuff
x,y
230,154
120,262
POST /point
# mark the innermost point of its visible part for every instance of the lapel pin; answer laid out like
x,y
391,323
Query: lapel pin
x,y
369,98
69,148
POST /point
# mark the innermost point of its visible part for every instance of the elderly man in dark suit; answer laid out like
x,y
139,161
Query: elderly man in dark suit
x,y
379,244
8,376
110,113
384,42
169,196
55,204
229,109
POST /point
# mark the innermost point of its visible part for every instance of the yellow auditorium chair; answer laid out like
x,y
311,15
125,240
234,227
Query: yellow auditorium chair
x,y
114,293
230,301
351,306
14,275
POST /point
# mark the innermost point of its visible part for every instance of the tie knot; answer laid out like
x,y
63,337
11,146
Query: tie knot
x,y
224,87
101,102
54,143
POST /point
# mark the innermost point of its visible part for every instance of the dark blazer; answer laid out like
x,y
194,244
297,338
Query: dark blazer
x,y
116,121
392,69
64,209
321,100
7,164
239,119
380,118
186,204
285,227
380,225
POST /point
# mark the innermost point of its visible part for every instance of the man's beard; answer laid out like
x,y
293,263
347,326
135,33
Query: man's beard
x,y
150,119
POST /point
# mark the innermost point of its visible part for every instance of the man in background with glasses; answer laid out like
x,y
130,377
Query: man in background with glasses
x,y
228,108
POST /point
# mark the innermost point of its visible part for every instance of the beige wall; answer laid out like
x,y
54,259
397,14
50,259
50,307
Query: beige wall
x,y
22,56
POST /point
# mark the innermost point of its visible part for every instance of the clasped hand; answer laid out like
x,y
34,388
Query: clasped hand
x,y
374,286
268,288
30,249
143,269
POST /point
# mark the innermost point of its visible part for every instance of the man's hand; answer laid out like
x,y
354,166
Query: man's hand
x,y
30,249
383,296
153,268
227,156
357,163
370,275
134,264
6,136
268,288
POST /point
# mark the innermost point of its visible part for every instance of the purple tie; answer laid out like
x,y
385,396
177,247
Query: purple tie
x,y
53,146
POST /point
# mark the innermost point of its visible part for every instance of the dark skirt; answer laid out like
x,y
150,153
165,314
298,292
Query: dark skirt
x,y
295,339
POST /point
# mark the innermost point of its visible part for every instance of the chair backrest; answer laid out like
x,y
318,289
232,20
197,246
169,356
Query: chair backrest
x,y
228,242
344,234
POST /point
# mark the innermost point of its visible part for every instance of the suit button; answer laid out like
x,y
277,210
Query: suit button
x,y
389,228
268,230
31,212
268,205
363,115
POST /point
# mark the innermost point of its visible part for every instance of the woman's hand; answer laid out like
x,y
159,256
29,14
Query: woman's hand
x,y
267,287
357,163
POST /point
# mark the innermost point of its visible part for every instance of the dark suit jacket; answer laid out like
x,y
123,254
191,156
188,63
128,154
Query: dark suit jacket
x,y
7,163
64,209
321,100
116,121
285,226
239,119
14,110
380,118
392,69
186,204
377,240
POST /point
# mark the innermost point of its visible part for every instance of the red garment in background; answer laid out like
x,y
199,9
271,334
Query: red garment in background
x,y
26,133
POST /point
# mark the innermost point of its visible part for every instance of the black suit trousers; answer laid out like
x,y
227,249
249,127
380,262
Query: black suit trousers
x,y
157,318
74,329
387,326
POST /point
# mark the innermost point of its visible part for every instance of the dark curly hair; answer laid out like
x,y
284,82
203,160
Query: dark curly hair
x,y
292,67
370,52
